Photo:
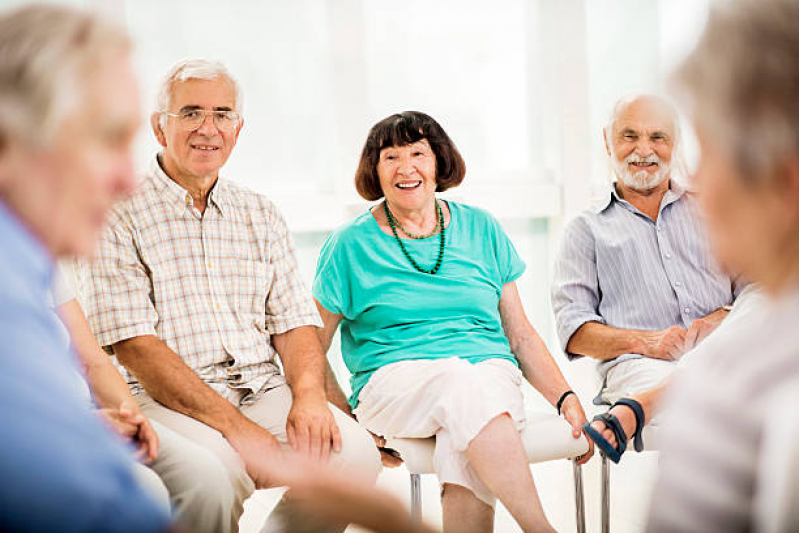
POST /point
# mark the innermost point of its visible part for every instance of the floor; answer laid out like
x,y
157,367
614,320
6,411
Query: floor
x,y
631,482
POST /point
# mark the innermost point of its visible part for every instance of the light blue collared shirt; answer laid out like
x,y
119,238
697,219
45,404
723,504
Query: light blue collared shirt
x,y
61,469
618,267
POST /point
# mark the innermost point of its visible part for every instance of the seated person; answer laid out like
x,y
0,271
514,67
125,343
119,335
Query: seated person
x,y
196,292
611,431
70,114
741,83
635,284
105,385
433,330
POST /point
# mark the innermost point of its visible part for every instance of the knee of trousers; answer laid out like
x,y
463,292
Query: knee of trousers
x,y
208,492
468,402
359,454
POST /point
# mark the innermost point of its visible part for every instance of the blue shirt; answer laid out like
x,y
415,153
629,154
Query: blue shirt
x,y
61,469
392,312
618,267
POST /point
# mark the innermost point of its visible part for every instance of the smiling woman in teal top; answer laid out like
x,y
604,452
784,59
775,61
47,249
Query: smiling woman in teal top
x,y
417,279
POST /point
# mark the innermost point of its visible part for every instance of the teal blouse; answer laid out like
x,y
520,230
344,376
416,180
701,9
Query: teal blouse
x,y
391,312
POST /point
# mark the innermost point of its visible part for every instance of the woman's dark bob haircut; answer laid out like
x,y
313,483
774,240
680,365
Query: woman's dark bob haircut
x,y
403,129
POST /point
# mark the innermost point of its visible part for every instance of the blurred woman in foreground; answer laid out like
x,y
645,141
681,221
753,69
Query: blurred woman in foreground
x,y
742,85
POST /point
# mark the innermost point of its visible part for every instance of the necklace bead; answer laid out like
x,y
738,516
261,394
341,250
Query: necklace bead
x,y
393,223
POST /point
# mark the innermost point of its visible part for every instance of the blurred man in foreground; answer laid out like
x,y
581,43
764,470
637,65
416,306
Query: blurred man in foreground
x,y
68,114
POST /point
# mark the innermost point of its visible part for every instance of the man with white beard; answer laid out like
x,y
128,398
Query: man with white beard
x,y
635,285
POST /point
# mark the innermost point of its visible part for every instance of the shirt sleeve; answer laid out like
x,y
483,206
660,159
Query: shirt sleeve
x,y
63,283
62,469
118,287
511,266
289,304
327,283
575,287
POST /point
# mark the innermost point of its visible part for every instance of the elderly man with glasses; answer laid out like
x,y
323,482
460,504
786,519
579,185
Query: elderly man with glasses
x,y
196,292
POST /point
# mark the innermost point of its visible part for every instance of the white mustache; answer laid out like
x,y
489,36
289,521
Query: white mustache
x,y
635,159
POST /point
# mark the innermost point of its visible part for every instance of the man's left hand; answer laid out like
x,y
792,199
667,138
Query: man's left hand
x,y
311,428
573,412
702,327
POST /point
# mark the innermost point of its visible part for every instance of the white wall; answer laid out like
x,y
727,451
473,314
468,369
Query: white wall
x,y
522,86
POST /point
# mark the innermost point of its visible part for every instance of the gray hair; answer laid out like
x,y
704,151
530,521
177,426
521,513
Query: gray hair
x,y
679,168
45,53
195,69
742,82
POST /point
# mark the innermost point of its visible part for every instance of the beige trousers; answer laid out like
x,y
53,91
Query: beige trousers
x,y
634,376
205,477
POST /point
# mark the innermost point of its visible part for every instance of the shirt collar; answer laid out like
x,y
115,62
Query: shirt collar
x,y
178,196
34,260
675,192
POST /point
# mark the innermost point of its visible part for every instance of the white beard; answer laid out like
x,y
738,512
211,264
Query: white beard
x,y
641,180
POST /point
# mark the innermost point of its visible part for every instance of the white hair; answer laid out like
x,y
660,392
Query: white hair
x,y
677,166
742,80
45,54
195,69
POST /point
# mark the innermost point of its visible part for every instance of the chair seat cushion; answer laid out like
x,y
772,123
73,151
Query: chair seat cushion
x,y
545,437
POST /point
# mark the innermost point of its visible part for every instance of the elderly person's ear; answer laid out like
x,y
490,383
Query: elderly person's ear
x,y
158,130
605,138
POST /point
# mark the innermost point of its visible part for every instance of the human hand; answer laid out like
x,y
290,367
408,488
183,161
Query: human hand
x,y
573,412
702,327
388,460
667,344
258,449
332,498
128,422
311,428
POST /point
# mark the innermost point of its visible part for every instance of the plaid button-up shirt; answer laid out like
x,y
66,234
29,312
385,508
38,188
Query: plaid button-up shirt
x,y
213,286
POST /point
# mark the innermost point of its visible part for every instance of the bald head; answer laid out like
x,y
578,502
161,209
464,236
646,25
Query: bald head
x,y
642,140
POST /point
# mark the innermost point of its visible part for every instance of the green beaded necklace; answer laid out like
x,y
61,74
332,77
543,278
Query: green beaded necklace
x,y
393,222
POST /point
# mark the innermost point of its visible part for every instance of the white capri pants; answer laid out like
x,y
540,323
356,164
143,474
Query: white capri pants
x,y
450,399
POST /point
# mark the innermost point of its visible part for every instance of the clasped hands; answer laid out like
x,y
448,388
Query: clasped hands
x,y
128,422
671,343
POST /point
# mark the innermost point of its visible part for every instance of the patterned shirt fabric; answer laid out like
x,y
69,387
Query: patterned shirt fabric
x,y
719,415
618,267
213,286
62,468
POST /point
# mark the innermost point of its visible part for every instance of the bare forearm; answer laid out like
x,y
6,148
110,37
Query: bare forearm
x,y
105,381
303,360
538,366
166,378
333,391
604,342
108,388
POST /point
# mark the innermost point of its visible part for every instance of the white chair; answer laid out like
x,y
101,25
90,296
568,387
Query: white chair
x,y
545,436
650,445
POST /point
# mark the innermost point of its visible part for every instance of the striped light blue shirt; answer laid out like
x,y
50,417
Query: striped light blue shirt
x,y
618,267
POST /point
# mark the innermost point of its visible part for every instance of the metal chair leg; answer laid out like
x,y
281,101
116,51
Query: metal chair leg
x,y
579,500
605,495
416,498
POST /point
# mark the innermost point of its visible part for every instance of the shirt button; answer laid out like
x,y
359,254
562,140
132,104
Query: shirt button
x,y
217,306
209,265
687,310
678,283
668,256
188,200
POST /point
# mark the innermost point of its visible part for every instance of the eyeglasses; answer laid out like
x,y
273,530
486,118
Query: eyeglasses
x,y
192,119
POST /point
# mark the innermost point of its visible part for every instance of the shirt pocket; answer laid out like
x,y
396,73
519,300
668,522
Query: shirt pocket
x,y
253,280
